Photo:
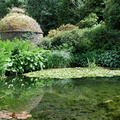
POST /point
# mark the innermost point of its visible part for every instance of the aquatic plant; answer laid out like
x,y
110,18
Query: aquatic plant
x,y
78,72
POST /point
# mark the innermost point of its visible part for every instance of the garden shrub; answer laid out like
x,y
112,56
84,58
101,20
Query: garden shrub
x,y
75,41
99,37
88,21
67,27
25,62
102,38
15,46
109,58
61,29
112,14
59,59
114,40
18,56
4,61
45,43
83,59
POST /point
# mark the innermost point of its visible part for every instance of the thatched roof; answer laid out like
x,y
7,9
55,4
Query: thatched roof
x,y
16,21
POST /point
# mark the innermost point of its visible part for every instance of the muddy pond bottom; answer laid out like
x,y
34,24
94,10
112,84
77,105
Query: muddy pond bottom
x,y
80,99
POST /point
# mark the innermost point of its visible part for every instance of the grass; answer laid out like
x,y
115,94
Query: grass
x,y
74,73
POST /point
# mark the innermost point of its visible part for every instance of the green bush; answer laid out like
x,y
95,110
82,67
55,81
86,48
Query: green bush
x,y
112,14
58,59
88,21
102,38
84,59
73,41
25,62
109,59
61,29
18,56
114,40
15,46
4,61
45,43
99,37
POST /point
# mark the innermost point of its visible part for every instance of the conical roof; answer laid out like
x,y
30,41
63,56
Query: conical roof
x,y
16,21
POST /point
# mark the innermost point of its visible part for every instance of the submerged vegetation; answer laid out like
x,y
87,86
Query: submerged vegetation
x,y
85,47
82,99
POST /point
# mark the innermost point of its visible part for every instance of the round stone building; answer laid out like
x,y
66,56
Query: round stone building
x,y
17,25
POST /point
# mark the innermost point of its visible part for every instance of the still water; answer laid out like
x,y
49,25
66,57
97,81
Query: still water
x,y
62,99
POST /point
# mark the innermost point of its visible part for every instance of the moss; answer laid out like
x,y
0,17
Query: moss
x,y
17,10
18,22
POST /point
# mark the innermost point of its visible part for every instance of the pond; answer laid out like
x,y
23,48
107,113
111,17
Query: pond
x,y
93,98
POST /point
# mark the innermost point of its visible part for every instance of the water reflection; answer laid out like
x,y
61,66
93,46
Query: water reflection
x,y
17,91
78,98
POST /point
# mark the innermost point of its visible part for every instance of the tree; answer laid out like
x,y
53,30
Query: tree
x,y
95,6
45,12
3,8
71,11
112,14
5,5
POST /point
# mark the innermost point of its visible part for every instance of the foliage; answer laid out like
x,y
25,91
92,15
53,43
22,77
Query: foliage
x,y
105,58
109,59
71,11
18,56
3,63
84,59
53,13
95,6
88,21
67,27
114,40
45,43
15,46
26,62
99,37
102,38
45,12
58,59
3,8
73,41
91,63
61,29
112,14
5,5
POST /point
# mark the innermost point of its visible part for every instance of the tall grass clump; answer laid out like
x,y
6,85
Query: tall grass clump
x,y
59,59
91,63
